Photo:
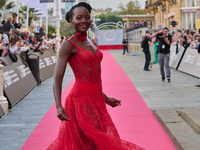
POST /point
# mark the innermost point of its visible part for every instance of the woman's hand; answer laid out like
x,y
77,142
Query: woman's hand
x,y
61,113
113,102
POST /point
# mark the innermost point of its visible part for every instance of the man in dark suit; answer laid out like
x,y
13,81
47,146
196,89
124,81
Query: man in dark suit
x,y
42,30
17,25
146,42
125,45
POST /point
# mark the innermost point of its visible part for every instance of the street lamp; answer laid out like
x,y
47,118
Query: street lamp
x,y
57,28
163,5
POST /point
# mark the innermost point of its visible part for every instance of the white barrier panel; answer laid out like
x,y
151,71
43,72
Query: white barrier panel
x,y
110,37
175,58
191,62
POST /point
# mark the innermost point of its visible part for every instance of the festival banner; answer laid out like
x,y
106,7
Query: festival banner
x,y
46,1
68,0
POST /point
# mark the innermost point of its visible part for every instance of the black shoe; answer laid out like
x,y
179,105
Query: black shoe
x,y
147,70
197,85
168,79
163,78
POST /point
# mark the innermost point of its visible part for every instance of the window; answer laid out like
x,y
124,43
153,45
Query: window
x,y
197,2
189,3
189,21
184,20
183,3
193,3
194,20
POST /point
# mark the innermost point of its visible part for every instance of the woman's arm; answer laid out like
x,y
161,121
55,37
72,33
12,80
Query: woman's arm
x,y
64,54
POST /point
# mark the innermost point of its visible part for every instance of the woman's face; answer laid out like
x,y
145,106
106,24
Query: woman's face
x,y
81,19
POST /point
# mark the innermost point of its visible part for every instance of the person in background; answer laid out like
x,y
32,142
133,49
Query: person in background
x,y
31,41
42,30
125,45
3,22
13,22
7,26
62,40
165,40
146,42
2,49
156,43
17,25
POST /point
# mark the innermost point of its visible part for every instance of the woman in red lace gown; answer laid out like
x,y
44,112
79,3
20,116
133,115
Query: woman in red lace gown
x,y
86,124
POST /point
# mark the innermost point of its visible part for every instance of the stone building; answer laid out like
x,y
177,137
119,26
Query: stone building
x,y
183,12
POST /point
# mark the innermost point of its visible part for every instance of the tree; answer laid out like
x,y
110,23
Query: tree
x,y
33,13
66,28
51,29
108,18
4,5
133,7
103,19
109,10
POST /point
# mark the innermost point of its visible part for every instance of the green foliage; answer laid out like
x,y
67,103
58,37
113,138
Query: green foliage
x,y
131,8
10,5
51,29
33,13
66,28
108,18
2,4
5,6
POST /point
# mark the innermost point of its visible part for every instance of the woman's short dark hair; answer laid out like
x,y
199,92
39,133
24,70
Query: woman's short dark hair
x,y
69,14
23,35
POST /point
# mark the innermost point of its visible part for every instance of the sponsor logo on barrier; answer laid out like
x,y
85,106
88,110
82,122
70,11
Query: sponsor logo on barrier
x,y
47,61
198,62
173,56
23,70
189,59
10,77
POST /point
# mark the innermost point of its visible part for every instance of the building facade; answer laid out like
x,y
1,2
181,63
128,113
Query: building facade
x,y
183,12
134,19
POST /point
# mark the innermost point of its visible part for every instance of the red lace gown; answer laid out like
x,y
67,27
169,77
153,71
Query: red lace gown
x,y
90,127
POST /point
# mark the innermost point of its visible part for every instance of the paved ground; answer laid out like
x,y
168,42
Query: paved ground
x,y
180,93
16,127
176,105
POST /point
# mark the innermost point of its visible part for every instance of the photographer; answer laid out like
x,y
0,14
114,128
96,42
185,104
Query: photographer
x,y
165,40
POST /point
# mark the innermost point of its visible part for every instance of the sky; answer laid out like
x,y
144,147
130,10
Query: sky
x,y
101,3
112,3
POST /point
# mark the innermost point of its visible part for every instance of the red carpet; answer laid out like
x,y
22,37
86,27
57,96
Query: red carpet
x,y
134,120
110,47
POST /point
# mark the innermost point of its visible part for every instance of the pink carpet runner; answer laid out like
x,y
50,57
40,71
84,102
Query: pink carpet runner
x,y
134,120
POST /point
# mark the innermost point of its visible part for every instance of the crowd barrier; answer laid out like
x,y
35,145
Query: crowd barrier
x,y
1,111
190,63
187,61
18,78
175,58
